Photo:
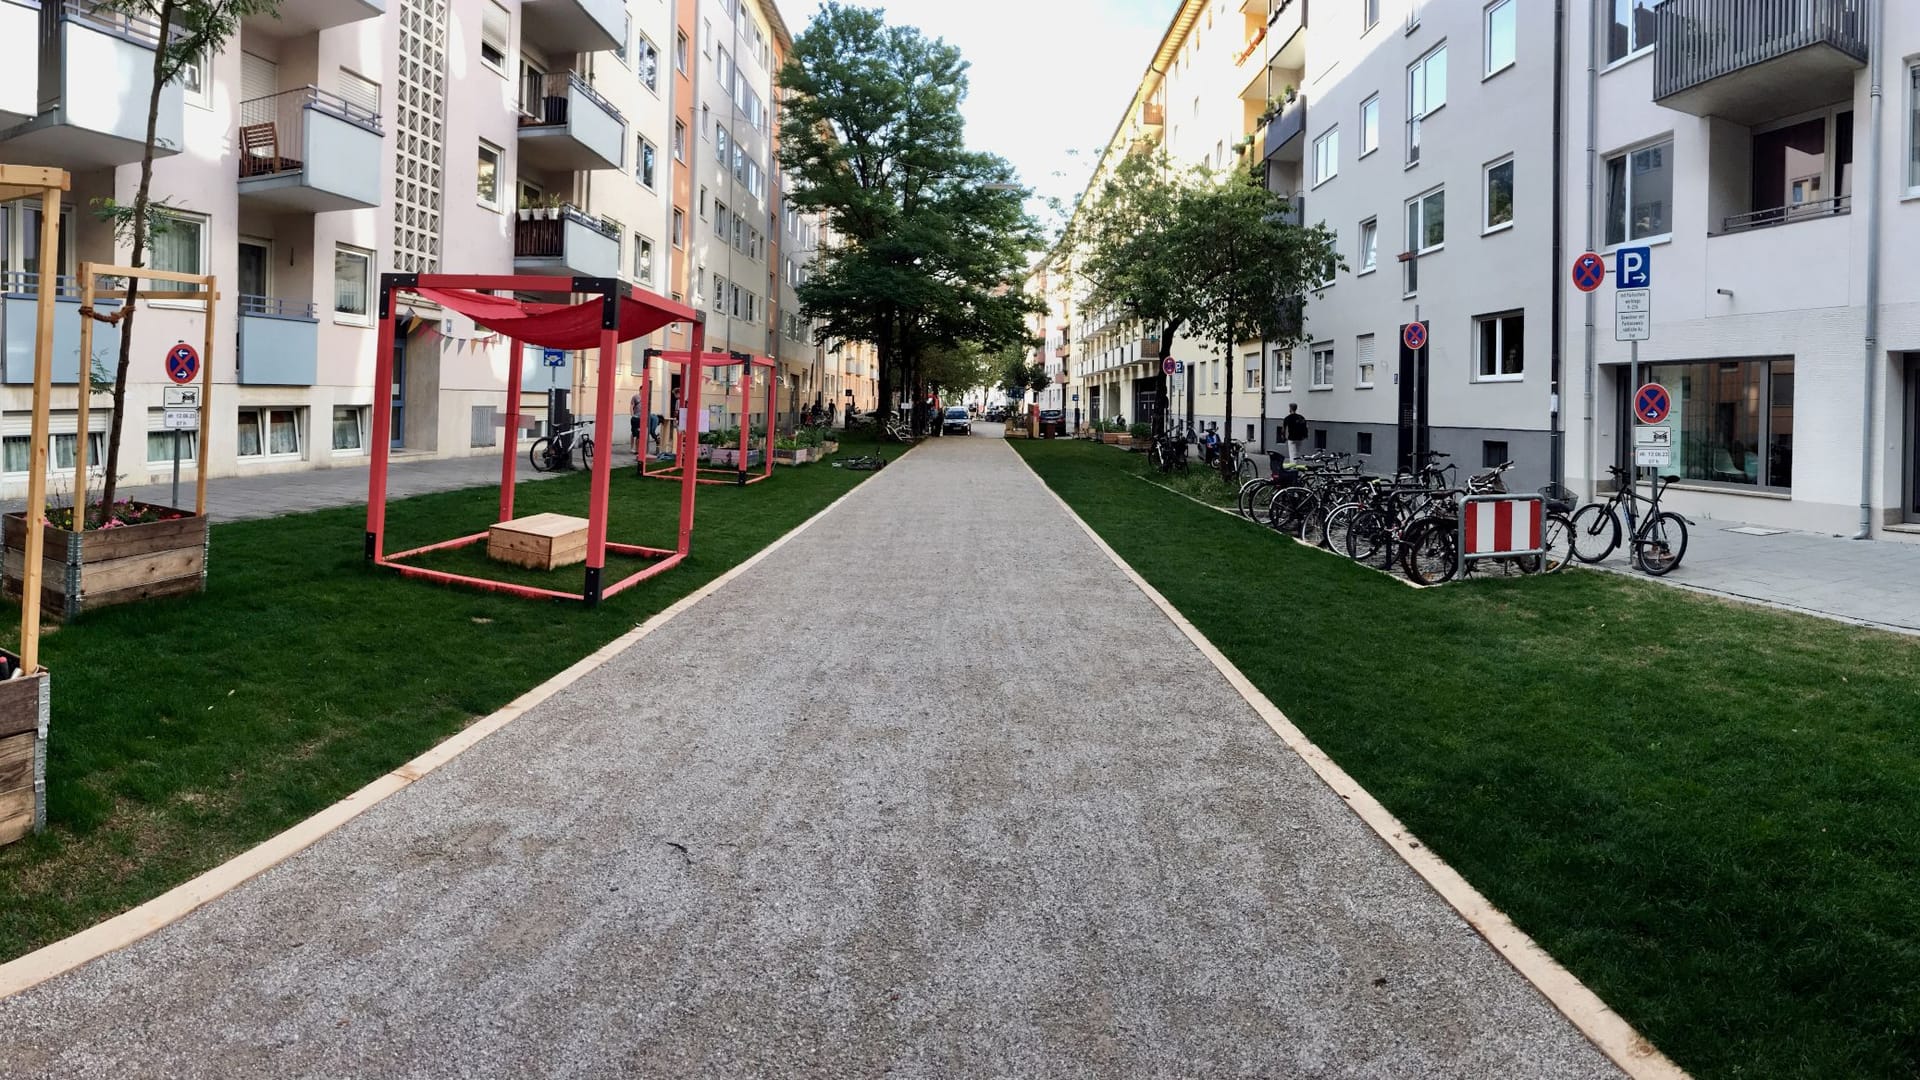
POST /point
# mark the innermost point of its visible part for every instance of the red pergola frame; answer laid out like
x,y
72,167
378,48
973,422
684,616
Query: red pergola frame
x,y
612,292
690,364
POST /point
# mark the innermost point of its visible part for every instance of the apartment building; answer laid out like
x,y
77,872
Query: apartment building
x,y
1422,133
347,138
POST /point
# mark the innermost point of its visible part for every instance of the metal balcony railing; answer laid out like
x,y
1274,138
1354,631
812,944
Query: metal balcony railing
x,y
274,128
544,98
1702,40
279,307
541,237
1783,215
27,283
138,29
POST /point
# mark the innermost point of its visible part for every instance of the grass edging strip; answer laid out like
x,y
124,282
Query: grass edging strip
x,y
1606,1029
60,957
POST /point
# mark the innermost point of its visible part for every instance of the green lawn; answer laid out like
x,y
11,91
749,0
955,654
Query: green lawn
x,y
1710,812
184,731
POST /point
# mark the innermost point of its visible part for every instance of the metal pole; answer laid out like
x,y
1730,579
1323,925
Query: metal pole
x,y
1633,411
175,502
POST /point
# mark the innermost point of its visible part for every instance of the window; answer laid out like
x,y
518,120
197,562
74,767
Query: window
x,y
1493,453
1323,366
1732,420
1631,28
1326,156
487,183
642,259
647,64
1498,212
1283,369
1319,438
349,429
1500,36
1370,125
196,80
1501,341
706,38
679,141
1369,245
1215,369
679,227
1913,127
706,121
680,52
703,202
719,293
493,36
1640,194
643,170
1363,361
1363,443
1369,15
63,447
1426,93
721,226
268,433
352,283
160,443
1252,366
1426,232
179,243
721,145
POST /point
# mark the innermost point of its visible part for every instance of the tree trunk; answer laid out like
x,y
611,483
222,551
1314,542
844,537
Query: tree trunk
x,y
1227,462
883,357
141,200
1162,422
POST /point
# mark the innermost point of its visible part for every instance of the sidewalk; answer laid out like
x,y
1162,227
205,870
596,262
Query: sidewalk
x,y
1873,583
911,833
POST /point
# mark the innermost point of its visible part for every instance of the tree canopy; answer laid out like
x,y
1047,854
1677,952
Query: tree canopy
x,y
922,238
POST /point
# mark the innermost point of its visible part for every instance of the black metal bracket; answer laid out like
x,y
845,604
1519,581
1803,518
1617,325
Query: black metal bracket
x,y
609,290
370,546
389,284
592,593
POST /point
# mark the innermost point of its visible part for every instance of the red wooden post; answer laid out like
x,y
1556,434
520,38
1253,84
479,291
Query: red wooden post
x,y
772,388
382,426
510,435
689,437
602,465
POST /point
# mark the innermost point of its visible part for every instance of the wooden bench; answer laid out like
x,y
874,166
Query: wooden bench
x,y
542,541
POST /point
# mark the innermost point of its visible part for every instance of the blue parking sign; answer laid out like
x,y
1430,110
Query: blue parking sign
x,y
1633,268
554,357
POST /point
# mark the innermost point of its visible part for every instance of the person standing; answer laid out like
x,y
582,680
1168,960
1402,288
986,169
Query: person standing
x,y
633,410
1294,428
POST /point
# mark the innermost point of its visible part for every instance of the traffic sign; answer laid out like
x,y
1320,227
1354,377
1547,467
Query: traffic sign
x,y
1179,367
1589,272
180,420
1654,457
1632,314
1167,366
183,363
1653,435
1076,398
1651,403
1414,337
553,357
1634,267
180,397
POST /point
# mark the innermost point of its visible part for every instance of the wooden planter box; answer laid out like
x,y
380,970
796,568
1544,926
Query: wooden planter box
x,y
1115,438
539,541
1142,444
729,457
102,567
23,755
824,449
799,456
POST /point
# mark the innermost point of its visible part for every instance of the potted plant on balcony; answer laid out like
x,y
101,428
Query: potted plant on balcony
x,y
550,207
528,203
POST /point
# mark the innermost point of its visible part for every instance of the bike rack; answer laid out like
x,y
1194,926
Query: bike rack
x,y
1511,525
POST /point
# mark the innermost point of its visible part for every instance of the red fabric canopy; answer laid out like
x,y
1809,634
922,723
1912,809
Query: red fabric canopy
x,y
550,326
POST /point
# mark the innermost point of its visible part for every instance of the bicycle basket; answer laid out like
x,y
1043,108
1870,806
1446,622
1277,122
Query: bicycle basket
x,y
1565,497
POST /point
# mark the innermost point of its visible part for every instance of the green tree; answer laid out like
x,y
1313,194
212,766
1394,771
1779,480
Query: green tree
x,y
188,30
923,236
1216,255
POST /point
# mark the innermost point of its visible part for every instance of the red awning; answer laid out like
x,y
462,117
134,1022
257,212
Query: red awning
x,y
550,326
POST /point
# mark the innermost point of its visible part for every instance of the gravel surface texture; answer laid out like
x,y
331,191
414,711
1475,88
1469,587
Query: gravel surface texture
x,y
933,791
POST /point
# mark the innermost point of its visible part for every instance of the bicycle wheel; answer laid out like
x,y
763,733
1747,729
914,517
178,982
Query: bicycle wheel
x,y
1557,537
537,453
1249,491
1370,539
1288,508
1661,543
1339,523
1430,554
1245,469
1596,532
1313,524
586,451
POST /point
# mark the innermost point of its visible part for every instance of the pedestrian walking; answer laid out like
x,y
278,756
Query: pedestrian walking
x,y
633,408
654,421
1294,429
830,413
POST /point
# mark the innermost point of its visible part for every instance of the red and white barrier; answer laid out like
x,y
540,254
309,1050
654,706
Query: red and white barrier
x,y
1501,525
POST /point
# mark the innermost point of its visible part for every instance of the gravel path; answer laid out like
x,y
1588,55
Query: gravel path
x,y
933,791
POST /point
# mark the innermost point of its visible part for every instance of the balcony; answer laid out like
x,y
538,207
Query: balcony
x,y
20,78
1295,213
279,342
573,26
1755,60
1285,49
565,124
298,18
95,77
1285,139
19,303
308,151
1150,347
573,243
1153,114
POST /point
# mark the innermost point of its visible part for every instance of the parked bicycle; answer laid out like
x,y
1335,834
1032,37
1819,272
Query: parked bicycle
x,y
554,451
1656,542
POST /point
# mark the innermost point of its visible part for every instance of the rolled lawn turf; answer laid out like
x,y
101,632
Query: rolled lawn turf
x,y
1709,812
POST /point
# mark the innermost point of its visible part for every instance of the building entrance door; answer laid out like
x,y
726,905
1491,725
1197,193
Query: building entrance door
x,y
398,400
1910,504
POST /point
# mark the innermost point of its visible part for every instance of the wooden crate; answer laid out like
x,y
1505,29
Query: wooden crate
x,y
102,567
23,756
542,541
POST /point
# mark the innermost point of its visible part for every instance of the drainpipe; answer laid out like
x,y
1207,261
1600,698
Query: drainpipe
x,y
1556,436
1872,345
1593,135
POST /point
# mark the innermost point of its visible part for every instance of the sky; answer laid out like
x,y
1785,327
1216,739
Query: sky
x,y
1048,79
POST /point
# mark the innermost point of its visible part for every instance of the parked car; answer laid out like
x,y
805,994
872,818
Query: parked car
x,y
958,422
996,414
1053,423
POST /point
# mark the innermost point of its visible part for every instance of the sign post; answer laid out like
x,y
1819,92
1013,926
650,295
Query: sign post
x,y
1633,322
182,413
